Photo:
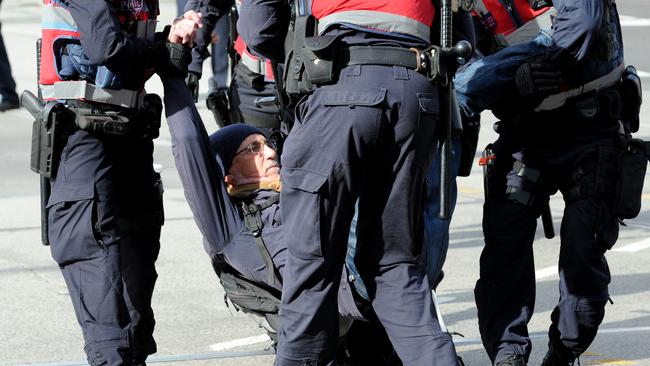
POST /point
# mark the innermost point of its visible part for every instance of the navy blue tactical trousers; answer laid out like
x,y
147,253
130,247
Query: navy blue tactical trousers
x,y
584,169
369,136
105,215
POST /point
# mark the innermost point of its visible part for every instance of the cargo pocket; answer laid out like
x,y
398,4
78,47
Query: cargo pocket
x,y
589,315
71,217
301,210
425,135
349,119
606,228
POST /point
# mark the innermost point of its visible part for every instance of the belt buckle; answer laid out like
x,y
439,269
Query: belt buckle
x,y
425,60
422,62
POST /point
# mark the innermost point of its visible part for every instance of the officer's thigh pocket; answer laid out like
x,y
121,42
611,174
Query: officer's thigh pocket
x,y
349,121
71,223
301,211
428,119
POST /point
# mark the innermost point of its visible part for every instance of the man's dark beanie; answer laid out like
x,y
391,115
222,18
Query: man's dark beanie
x,y
226,141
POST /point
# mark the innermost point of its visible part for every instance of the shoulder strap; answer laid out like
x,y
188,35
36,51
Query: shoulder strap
x,y
253,222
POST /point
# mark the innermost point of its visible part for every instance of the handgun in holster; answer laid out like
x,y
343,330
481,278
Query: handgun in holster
x,y
487,162
53,123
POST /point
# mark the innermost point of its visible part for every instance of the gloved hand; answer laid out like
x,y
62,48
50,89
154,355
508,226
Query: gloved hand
x,y
538,79
192,81
217,102
170,59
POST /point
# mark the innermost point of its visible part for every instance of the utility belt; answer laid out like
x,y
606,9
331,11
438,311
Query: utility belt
x,y
143,122
320,59
54,122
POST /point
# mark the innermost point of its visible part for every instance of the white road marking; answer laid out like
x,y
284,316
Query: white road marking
x,y
545,272
630,21
643,74
162,142
445,299
239,343
634,247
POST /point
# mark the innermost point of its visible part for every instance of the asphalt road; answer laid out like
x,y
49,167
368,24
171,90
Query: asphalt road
x,y
194,327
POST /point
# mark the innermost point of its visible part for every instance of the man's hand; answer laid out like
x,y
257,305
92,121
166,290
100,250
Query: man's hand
x,y
184,29
538,79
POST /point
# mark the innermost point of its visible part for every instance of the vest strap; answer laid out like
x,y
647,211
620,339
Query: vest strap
x,y
84,90
253,222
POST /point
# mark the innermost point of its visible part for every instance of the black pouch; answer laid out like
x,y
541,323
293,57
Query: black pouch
x,y
319,57
629,186
295,79
249,77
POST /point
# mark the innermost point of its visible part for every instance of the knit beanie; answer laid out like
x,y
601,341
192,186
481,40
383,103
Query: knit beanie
x,y
226,141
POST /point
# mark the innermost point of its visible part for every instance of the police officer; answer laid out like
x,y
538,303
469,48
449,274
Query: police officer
x,y
252,78
568,141
105,209
509,33
365,132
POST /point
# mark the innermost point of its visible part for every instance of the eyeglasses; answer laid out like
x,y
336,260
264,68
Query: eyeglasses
x,y
256,147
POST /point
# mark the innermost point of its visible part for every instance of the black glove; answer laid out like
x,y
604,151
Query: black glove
x,y
170,59
538,79
192,81
217,102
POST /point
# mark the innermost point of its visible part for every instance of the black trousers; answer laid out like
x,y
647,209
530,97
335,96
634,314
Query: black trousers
x,y
540,158
105,214
369,136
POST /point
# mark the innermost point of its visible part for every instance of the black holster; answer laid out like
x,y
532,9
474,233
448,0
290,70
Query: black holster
x,y
629,186
631,95
50,132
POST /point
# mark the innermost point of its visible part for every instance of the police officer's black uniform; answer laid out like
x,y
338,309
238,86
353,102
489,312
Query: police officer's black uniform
x,y
540,151
105,209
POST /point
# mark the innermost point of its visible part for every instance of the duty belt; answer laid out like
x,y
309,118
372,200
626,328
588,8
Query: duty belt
x,y
425,62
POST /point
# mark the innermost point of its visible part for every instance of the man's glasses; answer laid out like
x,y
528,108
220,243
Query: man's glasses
x,y
256,147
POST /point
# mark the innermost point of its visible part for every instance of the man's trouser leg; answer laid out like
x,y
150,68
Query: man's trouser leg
x,y
88,244
505,291
436,230
369,136
588,231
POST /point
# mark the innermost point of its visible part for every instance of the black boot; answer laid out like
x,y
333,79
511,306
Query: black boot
x,y
558,357
514,360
